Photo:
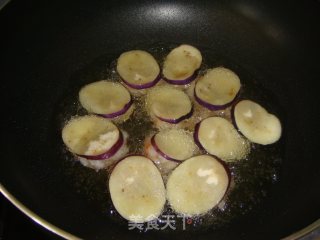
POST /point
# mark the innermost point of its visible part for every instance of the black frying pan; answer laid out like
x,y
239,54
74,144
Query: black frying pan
x,y
50,47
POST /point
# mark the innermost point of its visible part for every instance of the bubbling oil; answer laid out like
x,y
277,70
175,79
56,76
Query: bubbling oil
x,y
252,178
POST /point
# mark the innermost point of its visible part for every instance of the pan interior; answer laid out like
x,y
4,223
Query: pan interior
x,y
252,178
52,49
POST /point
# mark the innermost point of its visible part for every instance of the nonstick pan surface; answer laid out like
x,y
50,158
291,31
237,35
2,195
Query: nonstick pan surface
x,y
50,48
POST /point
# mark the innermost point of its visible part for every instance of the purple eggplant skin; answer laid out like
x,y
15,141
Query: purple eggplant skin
x,y
109,153
143,86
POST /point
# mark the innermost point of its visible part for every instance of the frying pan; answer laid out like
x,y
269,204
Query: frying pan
x,y
49,47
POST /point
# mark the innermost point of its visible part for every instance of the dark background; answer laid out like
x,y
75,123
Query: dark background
x,y
15,225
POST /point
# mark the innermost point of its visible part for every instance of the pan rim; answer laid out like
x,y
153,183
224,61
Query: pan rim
x,y
36,218
62,233
304,231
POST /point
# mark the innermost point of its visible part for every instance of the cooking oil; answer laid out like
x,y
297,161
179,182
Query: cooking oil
x,y
252,178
